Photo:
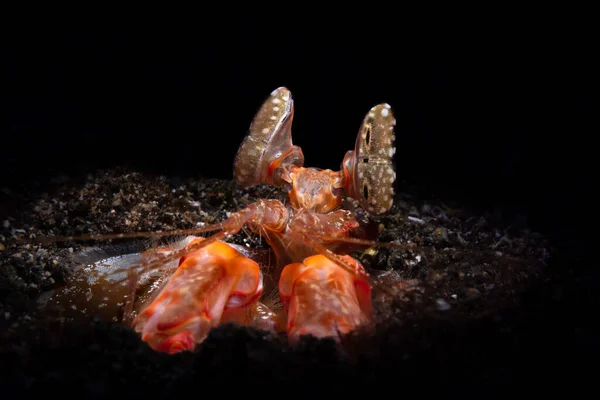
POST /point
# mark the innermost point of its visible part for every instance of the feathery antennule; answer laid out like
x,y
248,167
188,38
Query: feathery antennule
x,y
130,235
375,282
331,255
365,242
230,227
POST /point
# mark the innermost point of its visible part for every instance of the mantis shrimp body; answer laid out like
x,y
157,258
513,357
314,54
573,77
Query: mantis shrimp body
x,y
323,291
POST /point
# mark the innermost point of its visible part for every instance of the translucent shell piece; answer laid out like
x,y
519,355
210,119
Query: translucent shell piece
x,y
268,144
369,169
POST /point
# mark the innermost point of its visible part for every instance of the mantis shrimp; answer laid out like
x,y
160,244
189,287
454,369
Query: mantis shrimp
x,y
323,290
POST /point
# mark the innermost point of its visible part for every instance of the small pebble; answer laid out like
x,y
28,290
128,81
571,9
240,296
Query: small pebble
x,y
442,305
441,233
415,219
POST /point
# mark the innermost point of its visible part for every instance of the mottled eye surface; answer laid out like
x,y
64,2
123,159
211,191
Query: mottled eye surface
x,y
374,172
269,137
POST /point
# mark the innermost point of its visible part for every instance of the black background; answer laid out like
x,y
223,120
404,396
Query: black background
x,y
505,124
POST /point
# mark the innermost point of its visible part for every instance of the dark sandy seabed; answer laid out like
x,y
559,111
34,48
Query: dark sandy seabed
x,y
471,320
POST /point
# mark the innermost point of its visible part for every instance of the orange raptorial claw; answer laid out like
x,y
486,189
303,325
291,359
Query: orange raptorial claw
x,y
181,341
323,299
208,286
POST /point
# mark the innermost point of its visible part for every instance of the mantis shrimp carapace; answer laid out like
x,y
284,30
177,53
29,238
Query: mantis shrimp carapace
x,y
323,291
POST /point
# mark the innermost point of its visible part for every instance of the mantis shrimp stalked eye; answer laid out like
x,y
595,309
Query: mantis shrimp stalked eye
x,y
268,147
369,169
